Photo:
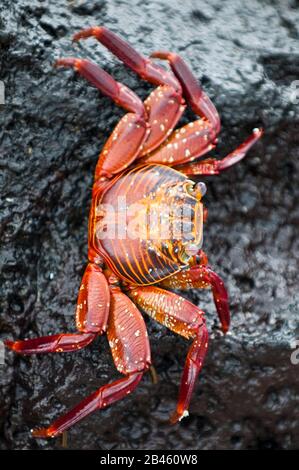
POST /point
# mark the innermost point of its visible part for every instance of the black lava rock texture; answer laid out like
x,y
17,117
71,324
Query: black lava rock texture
x,y
53,125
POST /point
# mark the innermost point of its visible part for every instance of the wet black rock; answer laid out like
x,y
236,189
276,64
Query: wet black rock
x,y
52,127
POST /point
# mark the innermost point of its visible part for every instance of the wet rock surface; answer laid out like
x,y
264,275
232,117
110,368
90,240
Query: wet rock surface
x,y
52,127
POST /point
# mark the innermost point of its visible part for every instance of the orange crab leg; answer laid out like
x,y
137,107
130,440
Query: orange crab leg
x,y
192,91
184,145
164,107
93,301
193,365
118,92
184,318
125,142
211,166
190,145
201,277
144,67
165,104
192,141
102,398
142,129
122,147
127,335
54,343
91,319
131,353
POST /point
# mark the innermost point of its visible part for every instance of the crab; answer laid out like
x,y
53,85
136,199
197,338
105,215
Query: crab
x,y
150,164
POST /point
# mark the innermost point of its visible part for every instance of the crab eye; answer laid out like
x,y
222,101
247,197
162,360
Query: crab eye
x,y
200,189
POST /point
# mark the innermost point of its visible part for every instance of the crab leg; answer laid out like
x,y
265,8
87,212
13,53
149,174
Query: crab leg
x,y
192,91
211,166
126,140
131,353
91,319
185,319
165,104
193,365
143,66
54,343
201,277
118,92
102,398
184,145
154,73
192,141
164,107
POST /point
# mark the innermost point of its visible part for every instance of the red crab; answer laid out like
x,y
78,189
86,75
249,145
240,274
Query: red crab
x,y
149,163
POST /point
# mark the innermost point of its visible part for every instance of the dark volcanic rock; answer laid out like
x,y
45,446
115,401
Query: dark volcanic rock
x,y
52,127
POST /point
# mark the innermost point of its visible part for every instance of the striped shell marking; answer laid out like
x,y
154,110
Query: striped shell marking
x,y
139,261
